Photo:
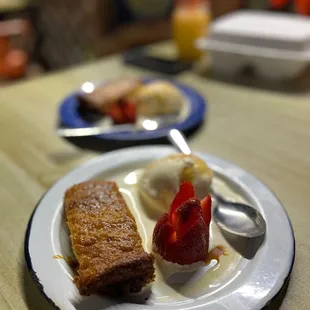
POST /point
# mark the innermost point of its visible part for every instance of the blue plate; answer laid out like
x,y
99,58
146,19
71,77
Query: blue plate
x,y
70,116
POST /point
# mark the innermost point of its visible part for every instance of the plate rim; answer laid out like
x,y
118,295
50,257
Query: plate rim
x,y
193,118
92,161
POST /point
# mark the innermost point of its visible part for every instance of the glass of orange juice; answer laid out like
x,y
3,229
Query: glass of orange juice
x,y
190,20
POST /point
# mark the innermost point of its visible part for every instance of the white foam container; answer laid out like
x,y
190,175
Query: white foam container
x,y
276,45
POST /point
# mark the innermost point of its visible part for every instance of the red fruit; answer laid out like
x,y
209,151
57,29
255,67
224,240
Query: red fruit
x,y
116,114
186,216
278,3
186,192
123,112
193,247
302,7
182,235
206,205
162,232
129,111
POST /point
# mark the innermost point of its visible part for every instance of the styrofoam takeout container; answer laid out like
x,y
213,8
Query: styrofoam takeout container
x,y
276,45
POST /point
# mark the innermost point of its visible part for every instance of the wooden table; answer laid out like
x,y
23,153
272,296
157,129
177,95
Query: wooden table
x,y
7,6
266,133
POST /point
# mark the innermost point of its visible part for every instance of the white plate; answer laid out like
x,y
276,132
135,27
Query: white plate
x,y
235,283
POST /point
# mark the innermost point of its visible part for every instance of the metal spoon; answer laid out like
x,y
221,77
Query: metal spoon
x,y
233,217
142,123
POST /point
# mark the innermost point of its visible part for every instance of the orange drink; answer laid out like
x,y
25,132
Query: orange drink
x,y
190,21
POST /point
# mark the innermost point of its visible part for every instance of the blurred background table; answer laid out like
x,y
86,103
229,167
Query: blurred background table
x,y
265,132
113,26
11,5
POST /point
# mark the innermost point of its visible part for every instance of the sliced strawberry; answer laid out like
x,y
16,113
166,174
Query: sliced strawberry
x,y
277,4
182,235
129,111
186,216
302,7
206,205
123,112
163,231
193,246
115,112
186,192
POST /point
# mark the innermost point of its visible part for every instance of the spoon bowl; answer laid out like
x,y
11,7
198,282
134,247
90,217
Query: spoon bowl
x,y
239,219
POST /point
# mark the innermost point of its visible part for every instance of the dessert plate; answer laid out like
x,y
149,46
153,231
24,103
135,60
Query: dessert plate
x,y
234,283
191,115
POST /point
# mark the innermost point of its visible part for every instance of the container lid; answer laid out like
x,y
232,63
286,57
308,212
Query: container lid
x,y
263,29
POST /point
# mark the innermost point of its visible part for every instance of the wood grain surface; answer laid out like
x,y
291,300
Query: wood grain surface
x,y
267,133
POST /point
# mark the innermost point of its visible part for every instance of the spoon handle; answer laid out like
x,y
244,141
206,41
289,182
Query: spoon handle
x,y
179,141
92,131
218,197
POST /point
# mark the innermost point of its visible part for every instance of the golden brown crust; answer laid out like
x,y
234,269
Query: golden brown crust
x,y
105,240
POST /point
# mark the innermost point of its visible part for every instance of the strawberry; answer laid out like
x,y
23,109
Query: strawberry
x,y
123,112
191,248
163,231
182,235
129,111
278,4
206,205
186,191
302,7
186,216
115,112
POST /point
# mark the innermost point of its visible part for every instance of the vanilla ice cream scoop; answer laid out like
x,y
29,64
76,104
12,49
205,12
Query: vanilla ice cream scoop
x,y
161,180
158,98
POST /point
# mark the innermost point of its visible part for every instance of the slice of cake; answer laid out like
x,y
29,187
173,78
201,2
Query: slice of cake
x,y
105,240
